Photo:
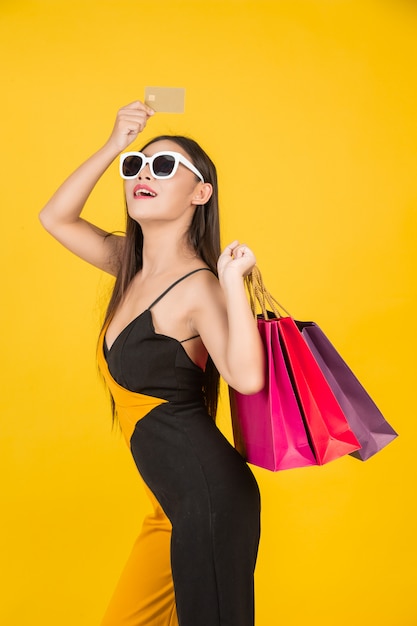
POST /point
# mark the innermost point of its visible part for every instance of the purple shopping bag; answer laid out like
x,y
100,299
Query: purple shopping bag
x,y
329,431
268,427
365,419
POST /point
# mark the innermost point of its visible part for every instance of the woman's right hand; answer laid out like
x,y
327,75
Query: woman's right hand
x,y
130,121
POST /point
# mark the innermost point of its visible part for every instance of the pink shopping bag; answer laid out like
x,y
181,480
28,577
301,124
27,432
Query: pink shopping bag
x,y
268,426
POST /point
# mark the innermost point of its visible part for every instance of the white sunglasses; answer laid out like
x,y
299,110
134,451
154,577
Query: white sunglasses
x,y
161,164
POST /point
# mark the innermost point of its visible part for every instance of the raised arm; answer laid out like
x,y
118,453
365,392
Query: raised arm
x,y
61,216
226,325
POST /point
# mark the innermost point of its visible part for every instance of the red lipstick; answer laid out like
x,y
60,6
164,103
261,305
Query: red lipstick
x,y
143,192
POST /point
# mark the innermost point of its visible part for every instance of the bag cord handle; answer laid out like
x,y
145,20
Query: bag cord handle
x,y
259,294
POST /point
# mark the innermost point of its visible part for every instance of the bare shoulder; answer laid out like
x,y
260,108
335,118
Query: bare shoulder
x,y
205,293
205,284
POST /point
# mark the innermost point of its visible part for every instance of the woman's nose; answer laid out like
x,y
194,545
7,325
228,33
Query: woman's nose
x,y
145,172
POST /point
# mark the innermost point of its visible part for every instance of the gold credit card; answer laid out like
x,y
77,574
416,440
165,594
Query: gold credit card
x,y
165,99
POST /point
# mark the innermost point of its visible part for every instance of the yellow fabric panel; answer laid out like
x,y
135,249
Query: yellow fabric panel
x,y
145,595
131,406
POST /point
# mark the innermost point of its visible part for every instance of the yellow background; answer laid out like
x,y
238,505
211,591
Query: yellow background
x,y
309,110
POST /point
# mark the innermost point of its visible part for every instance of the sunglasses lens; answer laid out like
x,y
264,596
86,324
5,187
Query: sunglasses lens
x,y
163,165
131,165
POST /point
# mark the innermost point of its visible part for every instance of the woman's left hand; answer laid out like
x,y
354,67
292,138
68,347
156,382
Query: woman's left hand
x,y
236,259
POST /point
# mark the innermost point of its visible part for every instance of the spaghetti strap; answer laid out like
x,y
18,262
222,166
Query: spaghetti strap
x,y
176,283
189,338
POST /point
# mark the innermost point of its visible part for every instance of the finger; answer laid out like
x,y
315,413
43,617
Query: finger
x,y
139,106
131,121
229,249
241,250
133,114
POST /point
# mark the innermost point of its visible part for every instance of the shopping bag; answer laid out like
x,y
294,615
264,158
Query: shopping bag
x,y
330,433
268,427
254,417
365,419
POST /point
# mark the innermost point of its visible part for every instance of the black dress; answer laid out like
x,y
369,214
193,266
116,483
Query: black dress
x,y
205,527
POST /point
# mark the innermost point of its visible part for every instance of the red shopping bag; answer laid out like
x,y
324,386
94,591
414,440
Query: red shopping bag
x,y
330,433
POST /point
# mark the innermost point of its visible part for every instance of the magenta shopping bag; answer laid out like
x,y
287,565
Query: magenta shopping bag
x,y
268,427
365,419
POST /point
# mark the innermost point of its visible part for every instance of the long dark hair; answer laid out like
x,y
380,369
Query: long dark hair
x,y
203,237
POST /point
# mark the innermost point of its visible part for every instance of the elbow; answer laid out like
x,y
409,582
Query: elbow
x,y
250,377
47,220
251,385
43,218
250,389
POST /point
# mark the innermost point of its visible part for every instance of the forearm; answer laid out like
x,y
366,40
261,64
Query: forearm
x,y
244,353
61,216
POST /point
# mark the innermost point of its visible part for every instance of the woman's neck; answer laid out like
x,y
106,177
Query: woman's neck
x,y
164,250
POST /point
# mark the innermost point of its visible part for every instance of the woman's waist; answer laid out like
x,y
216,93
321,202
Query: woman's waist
x,y
138,400
131,410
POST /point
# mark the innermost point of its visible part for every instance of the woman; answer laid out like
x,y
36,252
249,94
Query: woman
x,y
173,323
